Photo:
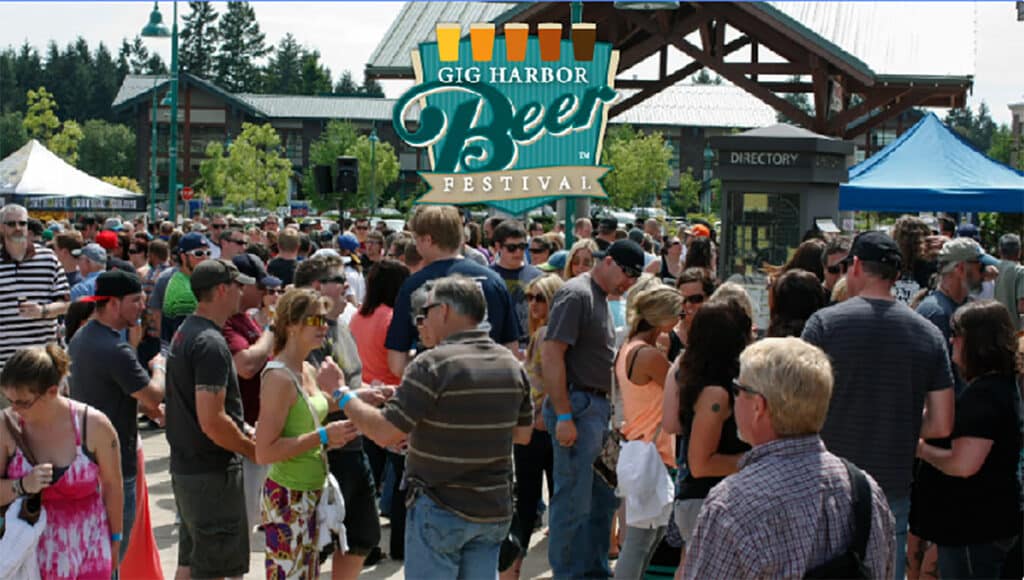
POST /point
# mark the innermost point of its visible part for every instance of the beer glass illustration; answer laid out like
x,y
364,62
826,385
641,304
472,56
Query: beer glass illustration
x,y
584,35
516,35
550,36
481,37
448,41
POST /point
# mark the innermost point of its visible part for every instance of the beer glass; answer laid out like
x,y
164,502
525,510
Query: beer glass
x,y
448,41
550,36
584,34
516,35
481,36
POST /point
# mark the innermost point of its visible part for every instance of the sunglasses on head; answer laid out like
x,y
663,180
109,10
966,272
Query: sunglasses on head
x,y
315,320
515,247
16,223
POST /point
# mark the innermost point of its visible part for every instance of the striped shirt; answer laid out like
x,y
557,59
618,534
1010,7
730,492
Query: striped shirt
x,y
788,510
38,278
460,403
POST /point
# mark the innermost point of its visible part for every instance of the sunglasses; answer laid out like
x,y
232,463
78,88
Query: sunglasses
x,y
273,290
629,271
539,250
737,387
198,253
396,256
16,223
24,405
239,241
362,227
136,251
336,279
218,226
515,247
839,268
536,298
693,299
315,320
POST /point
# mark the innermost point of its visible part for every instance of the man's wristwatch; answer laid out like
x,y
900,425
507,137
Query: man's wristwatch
x,y
19,487
43,311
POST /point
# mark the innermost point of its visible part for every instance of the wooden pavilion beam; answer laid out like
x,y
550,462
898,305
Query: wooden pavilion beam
x,y
656,40
916,98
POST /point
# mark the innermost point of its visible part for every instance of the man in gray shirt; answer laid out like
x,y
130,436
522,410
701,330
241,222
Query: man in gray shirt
x,y
576,356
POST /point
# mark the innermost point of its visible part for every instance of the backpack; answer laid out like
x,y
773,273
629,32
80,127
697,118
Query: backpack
x,y
851,563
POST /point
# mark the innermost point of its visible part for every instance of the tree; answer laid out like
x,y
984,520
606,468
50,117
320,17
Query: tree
x,y
640,166
371,88
123,182
199,39
106,84
107,149
799,100
12,133
41,123
337,138
386,163
254,170
242,44
284,68
316,78
704,78
346,86
978,129
1002,145
688,197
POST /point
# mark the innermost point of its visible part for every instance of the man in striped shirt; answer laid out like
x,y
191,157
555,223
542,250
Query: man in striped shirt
x,y
33,288
461,404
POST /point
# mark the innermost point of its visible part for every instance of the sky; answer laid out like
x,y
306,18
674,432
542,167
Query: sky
x,y
346,33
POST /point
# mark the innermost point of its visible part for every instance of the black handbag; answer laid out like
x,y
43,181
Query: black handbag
x,y
511,547
851,563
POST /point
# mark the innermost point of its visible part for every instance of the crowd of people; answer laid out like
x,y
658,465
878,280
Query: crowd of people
x,y
469,380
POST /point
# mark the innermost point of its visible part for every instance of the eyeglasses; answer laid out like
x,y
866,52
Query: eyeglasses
x,y
539,250
135,251
426,308
536,298
198,253
839,268
24,405
315,320
629,271
218,226
362,227
693,299
240,242
515,247
16,223
738,386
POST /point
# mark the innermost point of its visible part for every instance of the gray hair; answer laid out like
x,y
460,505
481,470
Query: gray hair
x,y
11,208
464,295
1009,246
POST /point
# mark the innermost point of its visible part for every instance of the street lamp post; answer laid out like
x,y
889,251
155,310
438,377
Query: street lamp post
x,y
157,29
709,158
373,170
153,183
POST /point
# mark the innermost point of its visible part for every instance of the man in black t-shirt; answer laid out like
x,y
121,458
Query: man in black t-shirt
x,y
205,430
510,241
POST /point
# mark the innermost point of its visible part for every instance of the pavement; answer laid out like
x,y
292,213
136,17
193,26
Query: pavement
x,y
161,506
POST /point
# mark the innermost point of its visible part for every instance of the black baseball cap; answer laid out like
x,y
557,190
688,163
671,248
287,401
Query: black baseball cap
x,y
251,265
627,254
211,273
875,246
115,284
608,224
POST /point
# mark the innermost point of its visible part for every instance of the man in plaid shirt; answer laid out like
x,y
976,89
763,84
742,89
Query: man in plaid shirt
x,y
789,509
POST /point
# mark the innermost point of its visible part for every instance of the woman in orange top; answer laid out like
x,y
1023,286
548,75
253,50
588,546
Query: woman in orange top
x,y
640,371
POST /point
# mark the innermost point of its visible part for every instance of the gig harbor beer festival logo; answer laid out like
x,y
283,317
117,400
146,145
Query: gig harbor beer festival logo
x,y
512,120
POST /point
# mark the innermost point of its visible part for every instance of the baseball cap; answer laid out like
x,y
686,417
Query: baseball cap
x,y
213,272
251,265
608,224
107,239
699,231
627,254
115,284
637,235
191,241
968,231
113,223
962,250
93,251
875,246
348,242
556,262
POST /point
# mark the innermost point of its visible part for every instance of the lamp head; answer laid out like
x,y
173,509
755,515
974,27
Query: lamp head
x,y
649,5
156,27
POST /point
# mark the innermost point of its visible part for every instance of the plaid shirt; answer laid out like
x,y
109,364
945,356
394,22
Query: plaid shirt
x,y
788,510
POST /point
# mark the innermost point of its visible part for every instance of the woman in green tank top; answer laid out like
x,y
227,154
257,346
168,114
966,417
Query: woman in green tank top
x,y
290,437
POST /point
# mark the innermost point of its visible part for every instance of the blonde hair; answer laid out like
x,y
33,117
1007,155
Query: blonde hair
x,y
292,308
795,379
288,240
840,292
733,291
657,306
441,222
587,244
646,281
546,286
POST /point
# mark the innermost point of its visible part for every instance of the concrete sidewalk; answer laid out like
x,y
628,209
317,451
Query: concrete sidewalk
x,y
161,505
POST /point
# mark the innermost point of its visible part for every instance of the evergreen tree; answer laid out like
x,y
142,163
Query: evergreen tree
x,y
242,44
8,80
199,40
704,78
346,86
284,68
316,78
978,129
12,133
371,88
106,84
29,70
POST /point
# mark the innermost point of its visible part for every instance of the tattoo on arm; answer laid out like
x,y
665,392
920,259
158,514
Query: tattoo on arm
x,y
113,443
715,407
211,388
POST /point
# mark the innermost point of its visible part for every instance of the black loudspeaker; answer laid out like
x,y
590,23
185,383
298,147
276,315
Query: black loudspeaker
x,y
347,177
322,179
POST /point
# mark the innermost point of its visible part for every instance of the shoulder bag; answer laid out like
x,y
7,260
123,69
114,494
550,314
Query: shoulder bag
x,y
852,562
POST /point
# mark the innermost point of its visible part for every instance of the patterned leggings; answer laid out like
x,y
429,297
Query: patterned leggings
x,y
289,521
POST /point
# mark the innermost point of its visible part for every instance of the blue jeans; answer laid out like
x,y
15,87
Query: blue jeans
x,y
900,507
440,544
637,552
582,506
128,516
974,560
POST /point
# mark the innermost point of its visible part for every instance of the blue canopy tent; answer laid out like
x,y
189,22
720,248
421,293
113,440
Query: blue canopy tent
x,y
930,168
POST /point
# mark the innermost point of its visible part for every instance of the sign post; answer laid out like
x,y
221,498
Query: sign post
x,y
186,193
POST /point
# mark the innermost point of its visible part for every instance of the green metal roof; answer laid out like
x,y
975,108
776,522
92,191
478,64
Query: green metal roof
x,y
135,88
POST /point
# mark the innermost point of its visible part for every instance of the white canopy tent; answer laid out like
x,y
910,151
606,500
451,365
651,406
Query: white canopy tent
x,y
36,178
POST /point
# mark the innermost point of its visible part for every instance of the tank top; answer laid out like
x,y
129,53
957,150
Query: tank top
x,y
642,405
728,444
304,472
666,275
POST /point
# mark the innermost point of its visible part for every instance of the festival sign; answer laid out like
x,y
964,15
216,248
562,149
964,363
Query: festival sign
x,y
512,120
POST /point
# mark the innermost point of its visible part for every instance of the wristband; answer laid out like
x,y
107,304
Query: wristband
x,y
18,487
339,393
322,432
160,368
344,400
116,537
565,417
